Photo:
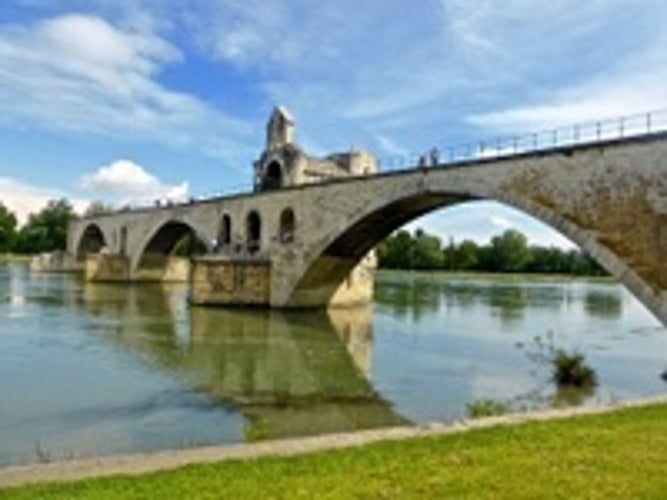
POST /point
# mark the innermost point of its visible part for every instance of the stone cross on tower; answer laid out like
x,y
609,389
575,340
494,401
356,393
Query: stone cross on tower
x,y
280,129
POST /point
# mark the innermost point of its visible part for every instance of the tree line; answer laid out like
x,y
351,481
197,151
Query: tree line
x,y
508,252
44,231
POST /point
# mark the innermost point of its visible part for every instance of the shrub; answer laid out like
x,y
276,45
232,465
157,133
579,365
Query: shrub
x,y
487,408
570,369
256,430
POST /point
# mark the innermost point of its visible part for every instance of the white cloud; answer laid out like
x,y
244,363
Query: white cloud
x,y
613,98
617,68
353,59
243,32
80,73
360,70
389,146
24,199
125,182
500,222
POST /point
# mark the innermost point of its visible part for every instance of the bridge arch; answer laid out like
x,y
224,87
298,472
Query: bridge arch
x,y
348,243
92,241
253,229
165,252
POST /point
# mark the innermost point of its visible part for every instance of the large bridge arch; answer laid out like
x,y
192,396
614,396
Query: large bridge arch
x,y
337,257
375,217
345,247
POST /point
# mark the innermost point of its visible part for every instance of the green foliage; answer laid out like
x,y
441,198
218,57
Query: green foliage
x,y
462,257
507,253
7,229
426,251
570,369
487,408
395,252
46,230
256,430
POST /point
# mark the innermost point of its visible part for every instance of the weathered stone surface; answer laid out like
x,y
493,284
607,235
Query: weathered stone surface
x,y
106,268
54,262
220,281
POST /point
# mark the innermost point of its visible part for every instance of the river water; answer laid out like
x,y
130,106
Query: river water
x,y
88,369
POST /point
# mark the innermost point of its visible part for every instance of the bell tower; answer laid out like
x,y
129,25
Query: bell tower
x,y
280,129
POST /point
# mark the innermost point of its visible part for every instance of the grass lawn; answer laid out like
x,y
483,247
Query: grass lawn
x,y
616,455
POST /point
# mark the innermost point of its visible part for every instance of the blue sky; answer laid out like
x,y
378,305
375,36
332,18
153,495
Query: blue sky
x,y
125,101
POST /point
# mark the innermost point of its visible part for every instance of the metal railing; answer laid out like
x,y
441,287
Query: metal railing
x,y
546,140
568,136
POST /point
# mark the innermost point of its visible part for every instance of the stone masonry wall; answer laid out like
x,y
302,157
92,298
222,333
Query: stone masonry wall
x,y
217,281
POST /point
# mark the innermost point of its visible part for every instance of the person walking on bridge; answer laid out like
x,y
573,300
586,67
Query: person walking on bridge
x,y
435,157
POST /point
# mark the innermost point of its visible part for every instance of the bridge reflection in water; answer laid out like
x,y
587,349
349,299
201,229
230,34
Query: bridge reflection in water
x,y
288,374
93,369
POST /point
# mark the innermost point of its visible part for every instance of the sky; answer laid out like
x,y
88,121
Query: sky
x,y
127,101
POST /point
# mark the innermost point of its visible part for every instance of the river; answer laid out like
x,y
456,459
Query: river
x,y
89,369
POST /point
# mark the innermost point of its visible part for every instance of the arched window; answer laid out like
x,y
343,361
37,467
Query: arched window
x,y
287,226
225,233
253,232
273,176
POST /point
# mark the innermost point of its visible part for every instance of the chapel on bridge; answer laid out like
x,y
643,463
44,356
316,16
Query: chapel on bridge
x,y
283,163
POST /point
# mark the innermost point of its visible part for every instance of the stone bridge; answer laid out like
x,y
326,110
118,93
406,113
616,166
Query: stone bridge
x,y
310,245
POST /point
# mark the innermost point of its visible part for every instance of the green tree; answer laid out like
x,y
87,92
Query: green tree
x,y
46,230
580,263
7,229
395,251
509,252
547,260
463,257
426,252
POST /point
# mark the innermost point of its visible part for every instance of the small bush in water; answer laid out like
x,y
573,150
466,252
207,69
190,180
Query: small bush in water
x,y
570,369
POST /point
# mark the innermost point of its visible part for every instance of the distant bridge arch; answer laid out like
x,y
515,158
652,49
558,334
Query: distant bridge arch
x,y
161,247
92,241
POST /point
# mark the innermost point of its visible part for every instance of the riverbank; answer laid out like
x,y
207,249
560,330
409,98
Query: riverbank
x,y
610,452
11,257
478,275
